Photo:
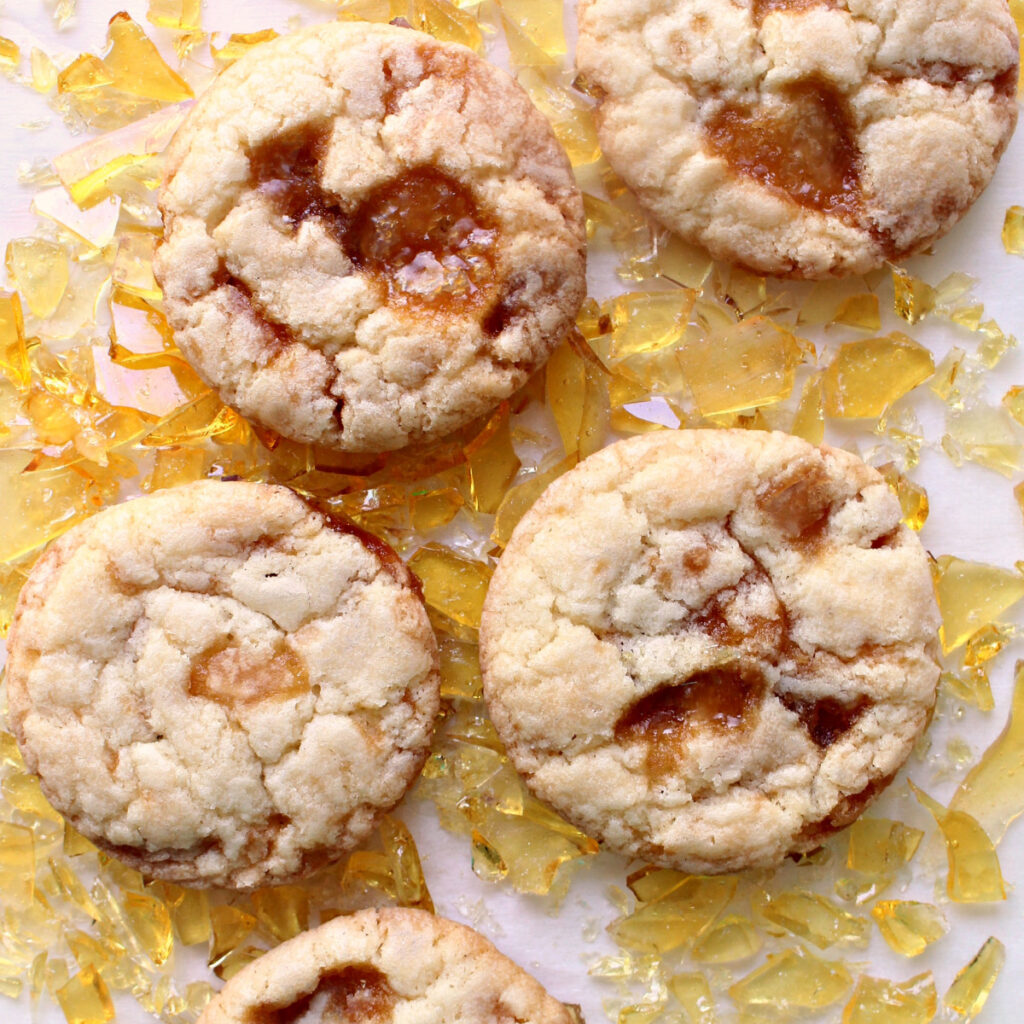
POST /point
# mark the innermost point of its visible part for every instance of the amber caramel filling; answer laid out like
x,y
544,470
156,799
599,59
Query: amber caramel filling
x,y
421,235
235,677
825,720
799,502
803,147
358,994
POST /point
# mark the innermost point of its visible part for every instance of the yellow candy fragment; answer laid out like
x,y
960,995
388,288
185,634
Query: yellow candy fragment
x,y
974,875
571,120
648,321
860,310
1013,231
44,71
879,846
813,917
986,435
137,67
180,15
85,999
10,54
453,585
404,865
914,298
576,391
1013,401
677,918
492,462
133,265
14,363
446,22
41,271
150,920
694,995
877,1001
239,44
792,982
993,790
95,226
907,926
539,21
912,497
17,866
750,364
230,927
973,984
190,912
866,377
726,941
971,595
518,499
282,910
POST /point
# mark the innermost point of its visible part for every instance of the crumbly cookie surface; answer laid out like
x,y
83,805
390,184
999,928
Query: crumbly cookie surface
x,y
711,648
200,680
371,237
380,966
803,137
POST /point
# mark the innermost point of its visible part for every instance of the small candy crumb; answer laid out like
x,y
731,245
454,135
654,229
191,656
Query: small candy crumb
x,y
914,299
1013,231
694,995
877,1001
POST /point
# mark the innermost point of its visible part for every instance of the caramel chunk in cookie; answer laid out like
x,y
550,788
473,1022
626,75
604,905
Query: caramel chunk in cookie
x,y
711,648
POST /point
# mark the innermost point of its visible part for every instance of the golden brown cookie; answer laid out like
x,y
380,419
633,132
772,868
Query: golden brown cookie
x,y
201,680
711,648
371,237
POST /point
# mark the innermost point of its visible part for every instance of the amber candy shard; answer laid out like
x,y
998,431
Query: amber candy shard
x,y
492,462
238,44
973,984
749,364
974,873
972,595
693,993
520,498
993,789
180,15
460,669
452,585
648,321
730,939
880,846
41,270
792,982
540,22
984,434
17,866
229,927
571,119
577,394
913,498
85,999
913,298
813,917
907,926
404,862
866,377
878,1001
138,68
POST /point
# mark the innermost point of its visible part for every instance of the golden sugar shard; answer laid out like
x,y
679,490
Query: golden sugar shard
x,y
813,917
984,434
460,669
995,343
681,262
432,509
95,226
282,910
197,997
792,982
866,377
10,54
22,791
453,585
10,753
1013,231
202,417
985,644
133,265
404,863
369,868
913,299
237,960
11,971
540,22
492,462
746,291
14,364
907,926
879,846
155,391
137,67
88,170
1013,401
239,44
229,927
993,789
972,686
71,887
973,984
447,22
85,999
364,10
190,912
676,919
971,595
694,995
150,921
974,874
180,15
75,844
946,380
912,497
571,120
648,321
44,71
626,967
639,1013
726,941
809,421
17,866
877,1001
860,310
860,890
486,861
41,272
576,391
749,364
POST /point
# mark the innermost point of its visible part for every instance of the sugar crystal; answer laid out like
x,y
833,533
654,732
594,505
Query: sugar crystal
x,y
729,939
694,995
907,926
1013,231
973,984
914,299
879,846
865,377
792,982
85,999
877,1001
813,917
971,595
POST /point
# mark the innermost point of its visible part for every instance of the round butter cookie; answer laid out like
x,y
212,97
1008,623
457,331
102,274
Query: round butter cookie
x,y
710,649
378,966
809,138
221,686
371,237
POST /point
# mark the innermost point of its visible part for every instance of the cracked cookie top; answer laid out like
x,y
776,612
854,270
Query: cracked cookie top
x,y
200,680
711,648
809,138
371,237
380,966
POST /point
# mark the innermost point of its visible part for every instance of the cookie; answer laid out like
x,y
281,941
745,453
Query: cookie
x,y
371,237
710,649
379,966
221,686
809,138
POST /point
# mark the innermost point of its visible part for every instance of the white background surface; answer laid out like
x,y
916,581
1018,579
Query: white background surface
x,y
973,514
